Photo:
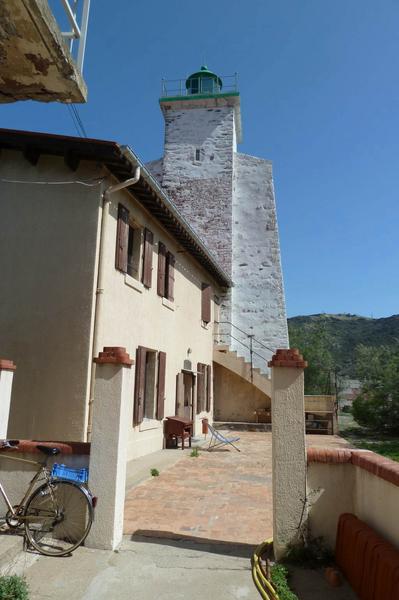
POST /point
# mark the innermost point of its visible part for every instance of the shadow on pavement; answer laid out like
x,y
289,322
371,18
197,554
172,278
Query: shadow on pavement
x,y
168,538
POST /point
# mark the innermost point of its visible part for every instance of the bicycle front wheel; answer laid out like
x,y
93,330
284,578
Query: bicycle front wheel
x,y
58,517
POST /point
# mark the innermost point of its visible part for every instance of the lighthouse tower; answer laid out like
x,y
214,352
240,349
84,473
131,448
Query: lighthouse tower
x,y
228,198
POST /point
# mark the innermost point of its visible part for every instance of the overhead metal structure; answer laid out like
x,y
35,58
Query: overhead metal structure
x,y
77,32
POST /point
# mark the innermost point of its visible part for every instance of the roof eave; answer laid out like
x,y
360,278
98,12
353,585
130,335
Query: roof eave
x,y
218,272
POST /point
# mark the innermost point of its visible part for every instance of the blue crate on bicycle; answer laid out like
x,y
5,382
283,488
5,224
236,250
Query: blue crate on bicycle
x,y
64,472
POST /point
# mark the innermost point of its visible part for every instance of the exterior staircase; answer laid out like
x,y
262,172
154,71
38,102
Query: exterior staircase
x,y
222,355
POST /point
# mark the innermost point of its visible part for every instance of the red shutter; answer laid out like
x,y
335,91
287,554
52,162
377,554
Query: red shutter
x,y
200,387
208,387
170,260
161,385
206,303
139,387
161,269
147,257
122,238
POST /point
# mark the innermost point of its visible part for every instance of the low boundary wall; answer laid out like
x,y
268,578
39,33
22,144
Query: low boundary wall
x,y
355,481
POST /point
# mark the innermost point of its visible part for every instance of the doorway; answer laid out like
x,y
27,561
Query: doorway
x,y
185,395
188,395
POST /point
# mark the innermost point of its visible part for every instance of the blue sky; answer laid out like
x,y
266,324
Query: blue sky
x,y
319,85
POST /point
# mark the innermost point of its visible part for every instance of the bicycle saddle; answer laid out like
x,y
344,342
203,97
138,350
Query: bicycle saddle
x,y
48,450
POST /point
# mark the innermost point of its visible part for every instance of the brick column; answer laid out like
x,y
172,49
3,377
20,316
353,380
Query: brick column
x,y
7,369
107,478
289,450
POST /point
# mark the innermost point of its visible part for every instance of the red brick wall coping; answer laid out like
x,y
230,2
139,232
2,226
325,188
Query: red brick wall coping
x,y
114,355
378,465
30,446
7,365
288,358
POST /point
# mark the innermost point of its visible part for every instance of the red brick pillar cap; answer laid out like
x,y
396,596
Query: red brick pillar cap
x,y
288,358
7,365
114,355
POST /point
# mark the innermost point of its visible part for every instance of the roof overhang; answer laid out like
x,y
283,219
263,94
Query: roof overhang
x,y
35,61
121,161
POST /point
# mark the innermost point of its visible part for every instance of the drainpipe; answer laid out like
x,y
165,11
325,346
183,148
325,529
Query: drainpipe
x,y
106,200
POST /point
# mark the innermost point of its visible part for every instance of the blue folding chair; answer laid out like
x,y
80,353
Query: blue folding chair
x,y
217,440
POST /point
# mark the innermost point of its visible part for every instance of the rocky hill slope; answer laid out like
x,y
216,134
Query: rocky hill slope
x,y
345,332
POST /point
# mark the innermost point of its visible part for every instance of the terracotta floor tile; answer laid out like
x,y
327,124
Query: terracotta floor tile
x,y
222,496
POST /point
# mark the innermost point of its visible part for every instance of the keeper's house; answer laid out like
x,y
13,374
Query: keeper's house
x,y
83,266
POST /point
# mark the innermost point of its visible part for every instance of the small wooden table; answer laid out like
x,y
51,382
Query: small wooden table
x,y
178,427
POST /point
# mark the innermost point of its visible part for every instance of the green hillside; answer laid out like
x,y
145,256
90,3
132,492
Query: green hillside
x,y
344,332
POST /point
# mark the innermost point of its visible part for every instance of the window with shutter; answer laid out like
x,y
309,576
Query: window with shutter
x,y
161,385
161,277
147,257
139,388
208,387
180,394
206,302
170,276
200,387
122,239
149,391
134,250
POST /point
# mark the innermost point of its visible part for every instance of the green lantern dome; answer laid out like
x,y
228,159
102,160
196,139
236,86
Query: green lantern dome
x,y
204,82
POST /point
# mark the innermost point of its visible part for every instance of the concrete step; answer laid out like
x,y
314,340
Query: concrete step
x,y
11,548
241,426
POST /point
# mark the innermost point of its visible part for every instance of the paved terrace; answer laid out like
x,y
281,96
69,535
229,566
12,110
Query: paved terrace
x,y
223,496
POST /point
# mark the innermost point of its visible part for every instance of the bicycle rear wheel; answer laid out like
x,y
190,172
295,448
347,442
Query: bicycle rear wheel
x,y
58,517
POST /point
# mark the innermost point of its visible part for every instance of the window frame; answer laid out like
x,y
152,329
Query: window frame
x,y
140,388
206,303
138,250
203,389
166,272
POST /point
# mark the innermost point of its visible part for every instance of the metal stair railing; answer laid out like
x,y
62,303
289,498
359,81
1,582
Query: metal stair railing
x,y
251,337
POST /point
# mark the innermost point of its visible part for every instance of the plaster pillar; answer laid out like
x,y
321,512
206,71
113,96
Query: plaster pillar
x,y
288,448
108,454
7,368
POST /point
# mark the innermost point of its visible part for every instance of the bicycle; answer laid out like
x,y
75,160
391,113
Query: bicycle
x,y
57,515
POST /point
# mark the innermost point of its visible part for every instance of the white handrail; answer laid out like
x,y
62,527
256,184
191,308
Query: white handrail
x,y
78,32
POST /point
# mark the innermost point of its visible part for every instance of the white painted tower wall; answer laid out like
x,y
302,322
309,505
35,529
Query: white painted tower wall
x,y
258,302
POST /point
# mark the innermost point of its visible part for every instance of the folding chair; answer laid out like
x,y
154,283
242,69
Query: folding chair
x,y
217,440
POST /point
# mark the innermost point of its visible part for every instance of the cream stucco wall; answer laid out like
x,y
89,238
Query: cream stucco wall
x,y
49,248
48,238
132,315
289,456
339,488
330,493
235,398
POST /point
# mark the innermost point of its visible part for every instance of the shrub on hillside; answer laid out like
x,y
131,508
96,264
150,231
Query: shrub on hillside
x,y
377,406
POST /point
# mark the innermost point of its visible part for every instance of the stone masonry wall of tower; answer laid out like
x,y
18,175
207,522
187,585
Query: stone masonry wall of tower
x,y
228,198
202,189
